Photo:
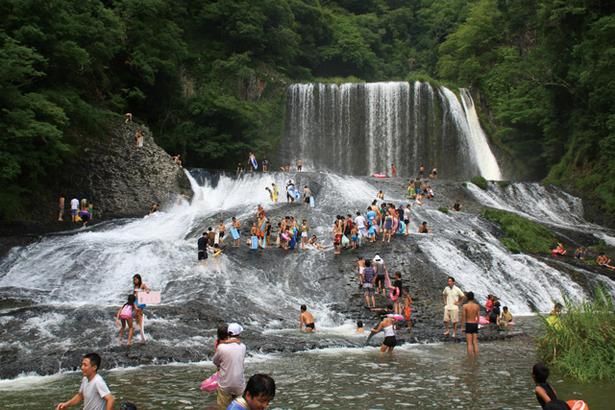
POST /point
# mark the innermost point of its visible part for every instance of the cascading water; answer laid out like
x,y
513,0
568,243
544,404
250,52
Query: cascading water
x,y
362,129
88,273
478,140
545,204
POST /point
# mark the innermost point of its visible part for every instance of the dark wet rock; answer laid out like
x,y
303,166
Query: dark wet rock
x,y
120,179
123,180
55,337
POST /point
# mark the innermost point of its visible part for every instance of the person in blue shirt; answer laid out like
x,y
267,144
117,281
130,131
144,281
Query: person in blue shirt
x,y
259,392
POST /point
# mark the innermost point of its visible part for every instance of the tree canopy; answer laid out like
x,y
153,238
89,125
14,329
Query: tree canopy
x,y
210,77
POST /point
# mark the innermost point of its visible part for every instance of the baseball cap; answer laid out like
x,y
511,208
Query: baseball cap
x,y
234,329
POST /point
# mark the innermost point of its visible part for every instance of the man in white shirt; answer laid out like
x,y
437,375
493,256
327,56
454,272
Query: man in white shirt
x,y
93,390
229,358
361,224
74,208
452,297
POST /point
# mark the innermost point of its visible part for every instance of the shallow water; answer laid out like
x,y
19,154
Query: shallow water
x,y
435,376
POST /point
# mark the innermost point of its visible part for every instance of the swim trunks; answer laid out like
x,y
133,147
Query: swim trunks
x,y
388,224
368,288
390,341
221,234
310,325
471,328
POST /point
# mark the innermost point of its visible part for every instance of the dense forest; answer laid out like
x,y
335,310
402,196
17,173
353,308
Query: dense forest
x,y
209,77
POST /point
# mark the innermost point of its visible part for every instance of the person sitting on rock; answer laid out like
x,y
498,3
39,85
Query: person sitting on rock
x,y
177,159
603,260
559,250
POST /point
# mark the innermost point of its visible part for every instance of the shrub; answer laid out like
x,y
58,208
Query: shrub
x,y
521,234
479,182
443,209
581,344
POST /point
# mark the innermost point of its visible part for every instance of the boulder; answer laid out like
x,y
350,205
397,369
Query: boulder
x,y
124,180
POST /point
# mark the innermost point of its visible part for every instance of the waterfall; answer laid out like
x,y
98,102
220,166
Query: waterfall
x,y
478,140
73,282
361,129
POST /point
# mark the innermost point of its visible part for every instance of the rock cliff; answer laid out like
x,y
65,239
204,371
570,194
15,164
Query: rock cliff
x,y
122,179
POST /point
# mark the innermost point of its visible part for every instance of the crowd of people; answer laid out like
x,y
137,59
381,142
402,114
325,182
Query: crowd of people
x,y
381,221
252,165
81,211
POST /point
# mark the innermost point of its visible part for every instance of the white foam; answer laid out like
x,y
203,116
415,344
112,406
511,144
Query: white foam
x,y
25,381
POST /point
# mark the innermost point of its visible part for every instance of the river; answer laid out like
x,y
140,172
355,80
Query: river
x,y
427,376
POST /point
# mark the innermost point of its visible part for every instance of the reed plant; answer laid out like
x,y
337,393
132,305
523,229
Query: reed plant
x,y
581,342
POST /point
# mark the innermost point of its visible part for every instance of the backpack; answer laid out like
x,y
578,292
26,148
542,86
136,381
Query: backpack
x,y
126,312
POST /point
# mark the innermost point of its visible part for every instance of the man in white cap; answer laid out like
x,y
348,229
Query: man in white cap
x,y
378,265
229,358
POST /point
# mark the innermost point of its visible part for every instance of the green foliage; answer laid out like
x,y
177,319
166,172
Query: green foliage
x,y
520,234
209,78
443,209
480,182
543,69
581,344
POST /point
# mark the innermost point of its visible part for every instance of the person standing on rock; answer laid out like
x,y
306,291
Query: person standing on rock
x,y
221,232
229,358
74,209
361,224
470,316
139,287
61,202
235,226
93,390
139,138
275,192
378,264
201,245
393,170
307,194
253,164
367,279
452,297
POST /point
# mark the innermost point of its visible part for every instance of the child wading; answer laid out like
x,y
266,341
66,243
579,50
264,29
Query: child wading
x,y
124,314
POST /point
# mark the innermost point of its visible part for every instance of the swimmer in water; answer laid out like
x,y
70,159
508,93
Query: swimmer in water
x,y
306,319
360,328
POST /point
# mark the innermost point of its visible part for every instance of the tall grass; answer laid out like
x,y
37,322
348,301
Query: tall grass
x,y
521,234
582,344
